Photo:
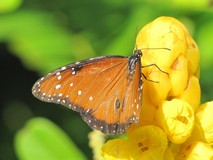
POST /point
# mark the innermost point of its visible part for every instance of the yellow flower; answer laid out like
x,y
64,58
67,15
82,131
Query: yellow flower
x,y
148,142
181,61
172,124
177,119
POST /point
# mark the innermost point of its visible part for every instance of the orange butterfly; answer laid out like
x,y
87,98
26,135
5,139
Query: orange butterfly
x,y
107,90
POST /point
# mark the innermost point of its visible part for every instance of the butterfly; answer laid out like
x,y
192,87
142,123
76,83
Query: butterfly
x,y
106,90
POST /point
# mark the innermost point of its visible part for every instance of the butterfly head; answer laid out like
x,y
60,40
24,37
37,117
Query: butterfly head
x,y
136,57
138,53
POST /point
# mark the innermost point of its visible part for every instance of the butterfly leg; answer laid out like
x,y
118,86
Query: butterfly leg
x,y
156,67
149,79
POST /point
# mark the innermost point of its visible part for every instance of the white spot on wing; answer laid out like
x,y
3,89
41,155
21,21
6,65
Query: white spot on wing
x,y
57,86
59,77
90,98
63,68
137,106
79,92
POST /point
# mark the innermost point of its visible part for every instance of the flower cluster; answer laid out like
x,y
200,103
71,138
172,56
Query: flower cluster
x,y
173,124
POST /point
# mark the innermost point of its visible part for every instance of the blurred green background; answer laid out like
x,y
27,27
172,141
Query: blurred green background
x,y
38,36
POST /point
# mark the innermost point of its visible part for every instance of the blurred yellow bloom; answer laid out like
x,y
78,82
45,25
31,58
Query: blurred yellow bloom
x,y
196,150
204,118
173,124
96,140
116,149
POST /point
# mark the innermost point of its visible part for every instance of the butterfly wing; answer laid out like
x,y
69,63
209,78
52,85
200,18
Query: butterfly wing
x,y
98,88
121,106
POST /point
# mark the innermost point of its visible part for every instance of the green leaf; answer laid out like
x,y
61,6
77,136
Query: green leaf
x,y
9,5
39,42
40,139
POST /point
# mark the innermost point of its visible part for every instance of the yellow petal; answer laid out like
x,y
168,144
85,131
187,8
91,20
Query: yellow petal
x,y
177,119
193,56
197,134
168,155
148,109
179,76
192,92
204,114
157,91
147,142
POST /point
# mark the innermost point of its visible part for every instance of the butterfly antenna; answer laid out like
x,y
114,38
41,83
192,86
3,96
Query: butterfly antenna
x,y
164,48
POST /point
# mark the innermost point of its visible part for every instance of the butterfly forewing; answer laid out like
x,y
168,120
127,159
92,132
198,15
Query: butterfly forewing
x,y
101,89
